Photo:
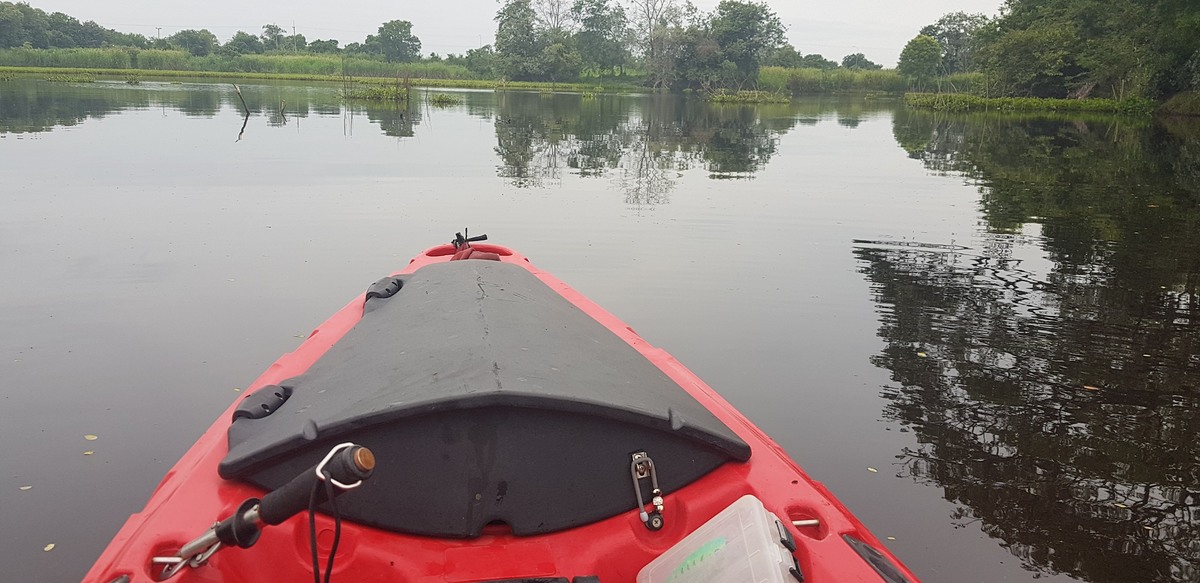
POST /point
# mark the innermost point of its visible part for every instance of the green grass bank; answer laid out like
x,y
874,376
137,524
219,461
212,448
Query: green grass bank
x,y
961,102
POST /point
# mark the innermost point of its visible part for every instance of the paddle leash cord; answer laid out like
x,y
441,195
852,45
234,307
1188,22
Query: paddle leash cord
x,y
312,527
343,468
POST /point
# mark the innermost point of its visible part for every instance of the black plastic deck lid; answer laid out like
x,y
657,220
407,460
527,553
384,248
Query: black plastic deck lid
x,y
471,334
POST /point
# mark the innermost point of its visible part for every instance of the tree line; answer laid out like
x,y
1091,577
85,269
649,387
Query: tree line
x,y
1118,49
668,43
671,42
22,25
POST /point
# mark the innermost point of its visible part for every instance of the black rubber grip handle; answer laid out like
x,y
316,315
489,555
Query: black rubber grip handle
x,y
347,466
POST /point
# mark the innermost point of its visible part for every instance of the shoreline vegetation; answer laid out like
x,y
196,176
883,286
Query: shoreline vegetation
x,y
1133,58
962,102
87,75
776,85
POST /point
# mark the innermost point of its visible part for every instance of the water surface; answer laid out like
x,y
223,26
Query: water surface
x,y
997,314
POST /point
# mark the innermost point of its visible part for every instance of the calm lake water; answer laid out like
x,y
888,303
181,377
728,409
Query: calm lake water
x,y
997,314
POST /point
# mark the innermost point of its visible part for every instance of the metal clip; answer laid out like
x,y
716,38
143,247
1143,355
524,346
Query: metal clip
x,y
320,469
640,468
193,554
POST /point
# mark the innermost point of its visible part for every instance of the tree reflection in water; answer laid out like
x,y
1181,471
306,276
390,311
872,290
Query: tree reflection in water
x,y
642,148
1056,404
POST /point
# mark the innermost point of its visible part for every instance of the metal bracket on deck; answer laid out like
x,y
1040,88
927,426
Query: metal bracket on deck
x,y
641,467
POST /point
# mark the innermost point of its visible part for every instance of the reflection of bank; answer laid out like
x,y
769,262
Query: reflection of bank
x,y
35,105
642,144
1059,407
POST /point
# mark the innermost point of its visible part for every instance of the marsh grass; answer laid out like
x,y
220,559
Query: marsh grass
x,y
443,100
808,81
959,102
748,97
397,93
71,78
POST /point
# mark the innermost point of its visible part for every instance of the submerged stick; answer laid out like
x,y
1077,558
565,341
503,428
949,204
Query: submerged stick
x,y
239,92
246,109
245,119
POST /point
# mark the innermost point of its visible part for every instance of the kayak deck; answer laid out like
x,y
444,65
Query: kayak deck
x,y
611,544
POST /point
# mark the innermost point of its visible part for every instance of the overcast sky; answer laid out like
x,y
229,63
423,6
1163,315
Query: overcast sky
x,y
834,28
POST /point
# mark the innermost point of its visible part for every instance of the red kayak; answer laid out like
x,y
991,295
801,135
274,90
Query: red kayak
x,y
473,419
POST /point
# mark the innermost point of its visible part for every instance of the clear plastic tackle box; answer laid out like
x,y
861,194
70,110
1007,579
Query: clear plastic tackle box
x,y
744,543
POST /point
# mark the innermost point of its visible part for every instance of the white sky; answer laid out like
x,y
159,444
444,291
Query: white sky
x,y
834,28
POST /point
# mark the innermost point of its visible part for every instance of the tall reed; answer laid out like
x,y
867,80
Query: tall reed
x,y
801,81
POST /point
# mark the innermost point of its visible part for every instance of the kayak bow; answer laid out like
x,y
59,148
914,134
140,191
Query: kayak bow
x,y
504,428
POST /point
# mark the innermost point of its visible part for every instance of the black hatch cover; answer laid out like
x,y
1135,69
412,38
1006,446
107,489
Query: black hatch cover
x,y
486,397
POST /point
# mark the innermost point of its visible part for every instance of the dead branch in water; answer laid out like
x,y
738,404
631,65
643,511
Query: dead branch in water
x,y
239,93
245,119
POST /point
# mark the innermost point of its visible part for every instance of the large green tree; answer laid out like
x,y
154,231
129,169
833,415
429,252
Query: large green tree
x,y
197,42
955,33
481,61
21,23
603,34
1080,48
243,43
272,36
323,46
745,32
920,59
397,42
518,47
560,60
859,61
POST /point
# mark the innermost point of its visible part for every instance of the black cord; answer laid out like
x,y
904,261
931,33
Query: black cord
x,y
312,530
337,526
312,527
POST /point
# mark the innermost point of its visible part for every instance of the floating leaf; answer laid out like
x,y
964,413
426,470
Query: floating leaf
x,y
872,470
48,547
88,452
1091,388
90,437
24,488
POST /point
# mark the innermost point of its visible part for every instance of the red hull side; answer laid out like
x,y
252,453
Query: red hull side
x,y
192,496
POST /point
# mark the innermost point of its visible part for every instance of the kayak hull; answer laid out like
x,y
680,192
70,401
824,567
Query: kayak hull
x,y
192,496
